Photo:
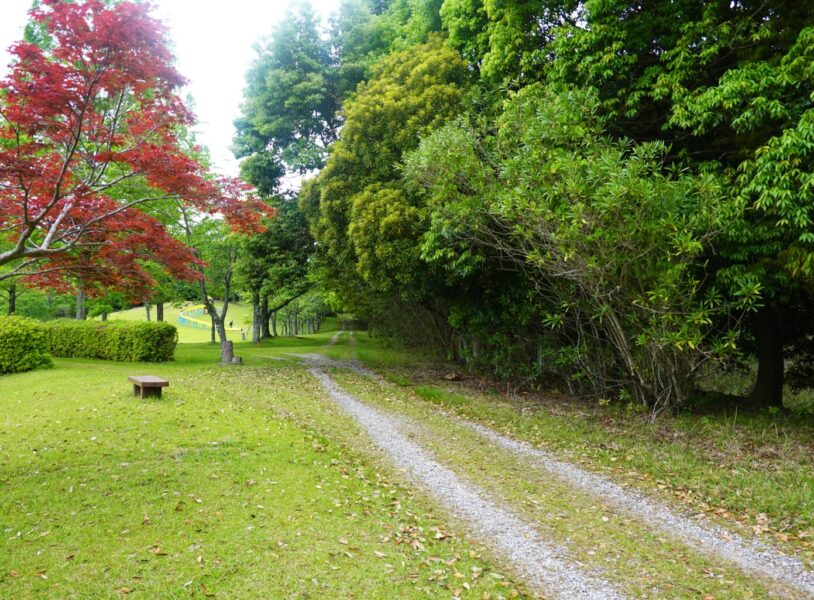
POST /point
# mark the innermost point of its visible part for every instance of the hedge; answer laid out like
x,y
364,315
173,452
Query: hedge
x,y
22,346
126,341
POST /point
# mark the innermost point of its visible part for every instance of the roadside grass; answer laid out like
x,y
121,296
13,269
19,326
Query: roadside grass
x,y
238,483
751,472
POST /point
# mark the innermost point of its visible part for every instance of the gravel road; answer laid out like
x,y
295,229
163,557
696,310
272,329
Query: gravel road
x,y
543,565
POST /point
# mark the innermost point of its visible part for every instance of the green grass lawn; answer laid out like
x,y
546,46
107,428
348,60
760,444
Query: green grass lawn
x,y
227,487
246,482
239,314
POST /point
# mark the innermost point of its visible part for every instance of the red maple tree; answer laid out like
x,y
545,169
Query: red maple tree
x,y
85,114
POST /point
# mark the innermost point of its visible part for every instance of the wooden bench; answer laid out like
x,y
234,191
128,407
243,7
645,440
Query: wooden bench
x,y
148,386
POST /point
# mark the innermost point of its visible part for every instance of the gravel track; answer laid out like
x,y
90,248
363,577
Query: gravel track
x,y
707,538
752,557
542,565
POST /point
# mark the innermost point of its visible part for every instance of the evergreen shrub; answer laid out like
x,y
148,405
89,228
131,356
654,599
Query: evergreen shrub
x,y
124,341
22,346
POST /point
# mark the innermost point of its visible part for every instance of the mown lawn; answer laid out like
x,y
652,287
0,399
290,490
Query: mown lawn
x,y
238,314
221,489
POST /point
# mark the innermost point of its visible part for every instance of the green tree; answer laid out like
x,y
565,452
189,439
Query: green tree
x,y
273,266
290,111
365,225
609,241
729,86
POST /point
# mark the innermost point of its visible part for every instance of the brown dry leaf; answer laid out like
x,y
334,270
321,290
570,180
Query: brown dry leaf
x,y
70,557
124,590
379,554
42,575
145,520
14,573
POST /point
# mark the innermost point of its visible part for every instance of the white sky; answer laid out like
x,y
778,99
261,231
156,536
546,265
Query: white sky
x,y
213,44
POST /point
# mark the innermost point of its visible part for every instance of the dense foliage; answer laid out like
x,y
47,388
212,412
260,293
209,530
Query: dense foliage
x,y
22,346
603,194
124,341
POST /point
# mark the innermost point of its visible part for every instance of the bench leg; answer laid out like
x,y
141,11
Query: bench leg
x,y
151,392
136,390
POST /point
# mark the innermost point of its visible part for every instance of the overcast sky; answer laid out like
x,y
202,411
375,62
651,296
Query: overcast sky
x,y
213,43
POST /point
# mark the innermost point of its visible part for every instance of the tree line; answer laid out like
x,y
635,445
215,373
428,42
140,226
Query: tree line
x,y
607,195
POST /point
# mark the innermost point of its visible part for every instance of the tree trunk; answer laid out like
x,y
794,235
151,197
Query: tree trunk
x,y
768,390
227,354
212,329
80,305
221,327
264,318
12,299
104,316
274,323
159,312
257,317
147,307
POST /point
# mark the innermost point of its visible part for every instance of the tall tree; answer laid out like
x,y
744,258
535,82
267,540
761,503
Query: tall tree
x,y
365,224
290,112
90,108
729,85
273,266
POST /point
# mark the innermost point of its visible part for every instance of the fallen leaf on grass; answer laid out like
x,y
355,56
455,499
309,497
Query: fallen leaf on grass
x,y
379,554
14,573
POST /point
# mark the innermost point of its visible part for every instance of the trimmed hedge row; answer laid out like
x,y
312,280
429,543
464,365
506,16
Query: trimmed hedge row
x,y
22,346
125,341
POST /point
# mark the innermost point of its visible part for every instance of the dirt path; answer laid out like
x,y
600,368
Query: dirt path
x,y
707,538
543,565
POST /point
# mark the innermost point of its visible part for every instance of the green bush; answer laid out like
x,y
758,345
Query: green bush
x,y
22,346
124,341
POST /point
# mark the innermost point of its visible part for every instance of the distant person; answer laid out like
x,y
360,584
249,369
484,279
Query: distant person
x,y
231,323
